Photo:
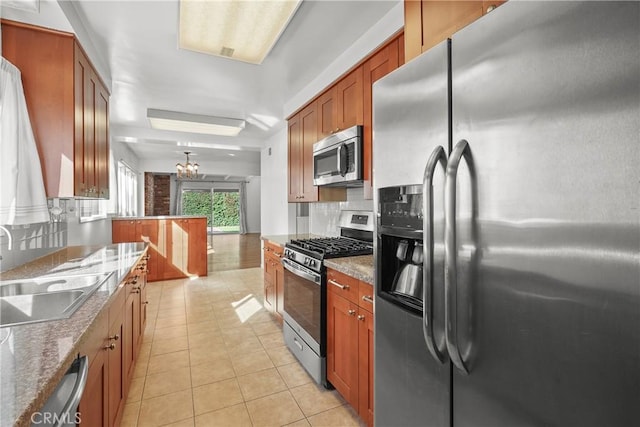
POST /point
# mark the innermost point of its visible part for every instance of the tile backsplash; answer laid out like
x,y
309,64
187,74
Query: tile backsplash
x,y
323,217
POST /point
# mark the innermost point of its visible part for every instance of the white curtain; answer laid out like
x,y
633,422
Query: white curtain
x,y
179,185
243,208
22,196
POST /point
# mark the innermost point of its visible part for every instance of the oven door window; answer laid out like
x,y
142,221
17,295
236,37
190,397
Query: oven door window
x,y
303,302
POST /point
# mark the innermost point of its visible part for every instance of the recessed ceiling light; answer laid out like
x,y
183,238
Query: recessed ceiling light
x,y
241,30
195,123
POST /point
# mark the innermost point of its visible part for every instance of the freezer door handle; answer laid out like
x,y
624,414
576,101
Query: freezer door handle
x,y
450,254
438,157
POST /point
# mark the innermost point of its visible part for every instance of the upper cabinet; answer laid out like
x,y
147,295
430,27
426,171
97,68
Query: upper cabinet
x,y
303,133
427,23
344,104
384,61
68,106
341,106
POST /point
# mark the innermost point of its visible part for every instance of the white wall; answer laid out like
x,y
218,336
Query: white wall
x,y
274,163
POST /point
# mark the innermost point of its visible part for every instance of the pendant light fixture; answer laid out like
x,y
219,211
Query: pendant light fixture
x,y
188,170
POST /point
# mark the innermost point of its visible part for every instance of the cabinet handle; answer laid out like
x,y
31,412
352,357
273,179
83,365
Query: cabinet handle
x,y
491,8
111,346
338,285
136,290
367,298
352,312
146,302
361,317
116,337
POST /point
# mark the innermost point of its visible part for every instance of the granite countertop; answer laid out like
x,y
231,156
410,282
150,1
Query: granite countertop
x,y
34,357
360,267
135,218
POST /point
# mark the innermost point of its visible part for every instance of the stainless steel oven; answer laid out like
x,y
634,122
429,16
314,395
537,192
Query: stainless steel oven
x,y
304,317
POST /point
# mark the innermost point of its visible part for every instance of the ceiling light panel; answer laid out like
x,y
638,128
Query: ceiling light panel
x,y
241,30
194,123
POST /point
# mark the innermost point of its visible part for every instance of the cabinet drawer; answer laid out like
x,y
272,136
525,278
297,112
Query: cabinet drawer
x,y
343,285
271,264
365,296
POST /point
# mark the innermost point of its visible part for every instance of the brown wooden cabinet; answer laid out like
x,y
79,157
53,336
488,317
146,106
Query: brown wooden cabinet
x,y
341,106
303,133
177,246
427,23
273,279
68,106
384,61
94,406
350,341
112,347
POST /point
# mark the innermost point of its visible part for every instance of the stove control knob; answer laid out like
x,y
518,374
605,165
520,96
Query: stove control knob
x,y
306,261
312,263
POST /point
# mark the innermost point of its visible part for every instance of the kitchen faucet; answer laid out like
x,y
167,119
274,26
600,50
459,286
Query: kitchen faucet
x,y
6,230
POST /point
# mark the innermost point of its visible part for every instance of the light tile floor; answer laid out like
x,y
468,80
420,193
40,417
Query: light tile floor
x,y
212,356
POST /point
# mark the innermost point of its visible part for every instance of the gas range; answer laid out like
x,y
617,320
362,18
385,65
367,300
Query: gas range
x,y
356,238
305,287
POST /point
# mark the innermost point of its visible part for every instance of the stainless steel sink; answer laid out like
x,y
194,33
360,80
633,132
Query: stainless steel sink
x,y
45,298
48,284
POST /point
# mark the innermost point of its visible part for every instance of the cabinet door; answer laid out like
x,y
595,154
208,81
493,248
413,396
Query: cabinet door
x,y
131,336
101,158
428,23
143,307
295,158
89,162
327,113
94,405
279,285
83,122
309,130
342,347
376,67
117,374
349,108
196,246
365,366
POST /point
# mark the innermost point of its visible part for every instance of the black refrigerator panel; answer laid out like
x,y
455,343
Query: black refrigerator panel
x,y
543,277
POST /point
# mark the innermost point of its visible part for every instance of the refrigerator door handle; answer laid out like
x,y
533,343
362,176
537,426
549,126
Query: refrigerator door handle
x,y
438,156
450,255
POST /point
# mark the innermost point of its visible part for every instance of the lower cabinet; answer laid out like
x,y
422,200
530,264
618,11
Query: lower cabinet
x,y
273,279
350,341
112,348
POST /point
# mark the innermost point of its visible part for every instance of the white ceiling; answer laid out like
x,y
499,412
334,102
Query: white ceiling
x,y
137,41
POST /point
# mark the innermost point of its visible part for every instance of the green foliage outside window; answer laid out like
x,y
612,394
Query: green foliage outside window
x,y
225,207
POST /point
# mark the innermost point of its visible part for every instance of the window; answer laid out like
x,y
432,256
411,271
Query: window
x,y
127,190
91,210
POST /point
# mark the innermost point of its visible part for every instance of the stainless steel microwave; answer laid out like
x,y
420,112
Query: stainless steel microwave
x,y
337,159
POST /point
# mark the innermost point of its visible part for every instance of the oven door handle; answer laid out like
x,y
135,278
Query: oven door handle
x,y
301,271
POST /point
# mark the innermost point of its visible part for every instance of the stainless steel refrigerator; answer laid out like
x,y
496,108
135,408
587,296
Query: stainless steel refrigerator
x,y
530,222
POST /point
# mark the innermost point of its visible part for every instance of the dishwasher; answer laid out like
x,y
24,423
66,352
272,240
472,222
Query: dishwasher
x,y
61,409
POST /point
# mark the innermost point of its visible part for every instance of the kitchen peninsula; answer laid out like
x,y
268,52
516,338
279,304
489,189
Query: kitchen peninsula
x,y
177,244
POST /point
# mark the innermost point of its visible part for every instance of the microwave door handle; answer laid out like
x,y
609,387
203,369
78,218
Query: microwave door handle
x,y
342,159
438,156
